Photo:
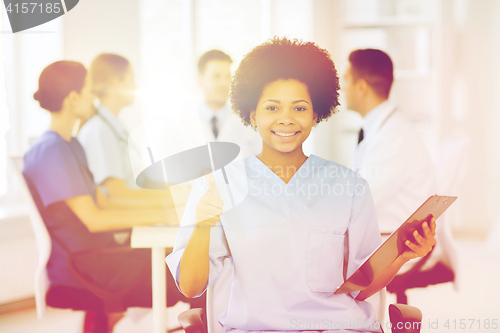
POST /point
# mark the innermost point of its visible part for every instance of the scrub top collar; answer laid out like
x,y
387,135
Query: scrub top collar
x,y
377,117
111,120
57,135
259,170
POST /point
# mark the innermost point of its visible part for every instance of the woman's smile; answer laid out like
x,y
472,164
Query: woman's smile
x,y
285,135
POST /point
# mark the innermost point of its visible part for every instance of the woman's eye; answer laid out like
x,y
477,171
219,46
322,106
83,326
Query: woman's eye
x,y
272,108
300,108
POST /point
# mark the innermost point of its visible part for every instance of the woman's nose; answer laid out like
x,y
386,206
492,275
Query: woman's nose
x,y
285,117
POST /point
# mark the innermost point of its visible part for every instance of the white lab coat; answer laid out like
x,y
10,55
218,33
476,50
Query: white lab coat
x,y
394,160
105,142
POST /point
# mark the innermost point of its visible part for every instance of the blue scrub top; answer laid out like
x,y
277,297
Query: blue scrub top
x,y
56,170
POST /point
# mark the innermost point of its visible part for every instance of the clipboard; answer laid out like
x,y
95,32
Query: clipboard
x,y
385,255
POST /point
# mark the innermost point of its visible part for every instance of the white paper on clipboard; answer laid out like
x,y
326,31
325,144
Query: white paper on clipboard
x,y
385,255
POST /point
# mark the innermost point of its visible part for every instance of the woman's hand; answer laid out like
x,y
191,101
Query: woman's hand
x,y
419,248
210,205
423,243
194,267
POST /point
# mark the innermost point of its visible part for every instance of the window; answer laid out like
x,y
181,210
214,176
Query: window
x,y
175,33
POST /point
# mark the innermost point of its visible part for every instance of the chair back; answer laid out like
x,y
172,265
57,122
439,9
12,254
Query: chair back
x,y
42,238
218,298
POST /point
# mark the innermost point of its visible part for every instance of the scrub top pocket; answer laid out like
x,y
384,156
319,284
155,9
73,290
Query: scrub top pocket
x,y
325,255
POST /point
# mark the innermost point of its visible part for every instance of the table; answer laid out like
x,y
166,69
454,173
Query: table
x,y
158,239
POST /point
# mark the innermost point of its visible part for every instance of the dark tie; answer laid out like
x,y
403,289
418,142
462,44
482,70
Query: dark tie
x,y
360,137
215,130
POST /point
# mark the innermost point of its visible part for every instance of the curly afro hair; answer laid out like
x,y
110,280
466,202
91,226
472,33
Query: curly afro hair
x,y
281,58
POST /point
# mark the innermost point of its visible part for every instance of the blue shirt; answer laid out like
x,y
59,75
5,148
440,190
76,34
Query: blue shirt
x,y
56,170
291,245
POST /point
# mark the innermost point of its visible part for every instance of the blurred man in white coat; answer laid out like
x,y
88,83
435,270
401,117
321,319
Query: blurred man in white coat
x,y
218,119
390,155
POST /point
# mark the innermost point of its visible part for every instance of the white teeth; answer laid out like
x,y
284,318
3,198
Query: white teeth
x,y
285,134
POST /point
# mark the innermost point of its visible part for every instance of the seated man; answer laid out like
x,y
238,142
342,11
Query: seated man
x,y
390,154
218,120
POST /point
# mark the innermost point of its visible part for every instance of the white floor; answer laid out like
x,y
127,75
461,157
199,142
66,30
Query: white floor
x,y
476,303
68,321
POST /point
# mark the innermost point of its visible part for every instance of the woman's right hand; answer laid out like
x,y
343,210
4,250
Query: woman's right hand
x,y
210,205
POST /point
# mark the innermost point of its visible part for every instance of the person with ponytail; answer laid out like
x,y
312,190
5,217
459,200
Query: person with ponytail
x,y
77,214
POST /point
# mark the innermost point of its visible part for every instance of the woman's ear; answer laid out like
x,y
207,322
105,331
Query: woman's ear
x,y
252,118
71,100
315,118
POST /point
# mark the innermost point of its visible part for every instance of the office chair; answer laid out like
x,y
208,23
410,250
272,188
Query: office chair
x,y
42,239
442,267
94,300
408,317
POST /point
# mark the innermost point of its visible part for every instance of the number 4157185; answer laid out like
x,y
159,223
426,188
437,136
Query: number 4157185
x,y
33,7
471,324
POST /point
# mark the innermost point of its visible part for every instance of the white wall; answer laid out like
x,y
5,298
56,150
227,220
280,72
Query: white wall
x,y
471,104
96,26
330,141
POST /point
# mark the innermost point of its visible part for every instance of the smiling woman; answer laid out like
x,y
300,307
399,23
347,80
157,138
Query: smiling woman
x,y
292,241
